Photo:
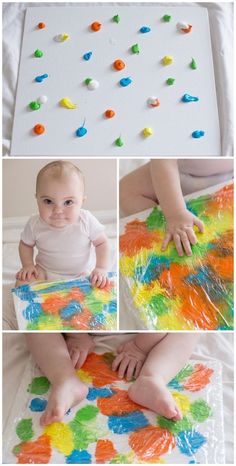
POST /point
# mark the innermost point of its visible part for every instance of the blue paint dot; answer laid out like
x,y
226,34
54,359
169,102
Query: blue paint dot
x,y
33,311
198,134
80,132
79,457
189,441
38,404
124,82
87,56
145,29
71,309
99,392
127,423
189,98
39,79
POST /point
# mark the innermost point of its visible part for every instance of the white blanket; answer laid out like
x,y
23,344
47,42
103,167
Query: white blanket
x,y
221,27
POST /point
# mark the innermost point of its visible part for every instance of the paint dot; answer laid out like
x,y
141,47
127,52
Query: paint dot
x,y
193,64
38,53
79,457
135,48
144,29
24,430
39,129
87,56
109,113
189,98
39,386
40,79
153,102
119,65
124,82
42,99
82,131
127,423
198,134
41,25
86,413
170,81
166,18
62,37
96,26
116,19
34,105
174,426
72,308
147,132
184,27
200,410
38,404
119,142
167,60
66,103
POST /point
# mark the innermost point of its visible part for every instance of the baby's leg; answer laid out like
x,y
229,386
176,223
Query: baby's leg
x,y
136,191
41,277
162,364
51,354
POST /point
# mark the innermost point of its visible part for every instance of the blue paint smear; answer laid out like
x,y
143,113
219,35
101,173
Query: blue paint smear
x,y
127,423
33,311
71,309
38,404
24,293
155,267
205,277
98,319
111,307
193,462
79,457
189,441
99,392
175,385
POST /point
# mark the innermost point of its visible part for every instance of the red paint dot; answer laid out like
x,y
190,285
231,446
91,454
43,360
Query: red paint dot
x,y
41,25
39,129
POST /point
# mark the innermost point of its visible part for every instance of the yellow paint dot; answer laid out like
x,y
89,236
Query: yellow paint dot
x,y
147,132
167,60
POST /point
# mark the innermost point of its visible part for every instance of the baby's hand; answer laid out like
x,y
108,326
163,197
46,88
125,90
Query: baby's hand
x,y
98,277
179,228
27,272
129,360
79,346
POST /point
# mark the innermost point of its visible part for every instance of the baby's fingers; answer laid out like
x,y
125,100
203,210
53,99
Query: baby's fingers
x,y
117,361
74,355
82,358
166,241
199,224
131,369
123,366
191,235
93,279
186,244
138,369
178,244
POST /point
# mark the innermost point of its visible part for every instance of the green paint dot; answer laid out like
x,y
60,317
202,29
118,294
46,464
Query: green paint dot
x,y
166,18
39,385
174,426
16,450
38,53
116,19
135,48
86,413
200,410
87,81
34,105
119,142
170,81
24,429
193,64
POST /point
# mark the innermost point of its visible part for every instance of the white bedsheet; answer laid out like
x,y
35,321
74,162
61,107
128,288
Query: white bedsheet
x,y
12,228
210,346
221,27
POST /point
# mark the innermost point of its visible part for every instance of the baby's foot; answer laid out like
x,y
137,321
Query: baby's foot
x,y
152,393
65,394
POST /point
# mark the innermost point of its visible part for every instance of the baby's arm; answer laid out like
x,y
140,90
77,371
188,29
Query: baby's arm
x,y
98,275
179,220
79,346
28,269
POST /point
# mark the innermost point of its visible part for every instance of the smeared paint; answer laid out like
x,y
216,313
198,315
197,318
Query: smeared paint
x,y
99,392
175,426
79,457
99,370
60,437
118,404
39,385
24,429
32,311
151,442
37,452
127,423
86,413
183,402
38,404
72,308
200,410
199,379
105,451
190,441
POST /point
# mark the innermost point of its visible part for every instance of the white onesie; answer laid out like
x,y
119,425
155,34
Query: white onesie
x,y
64,252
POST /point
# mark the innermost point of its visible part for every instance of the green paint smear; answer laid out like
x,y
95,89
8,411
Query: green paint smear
x,y
159,304
83,435
200,410
16,450
109,358
24,429
39,386
93,304
155,220
184,373
86,413
121,459
174,426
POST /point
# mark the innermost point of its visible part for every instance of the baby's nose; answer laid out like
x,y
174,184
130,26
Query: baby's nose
x,y
58,209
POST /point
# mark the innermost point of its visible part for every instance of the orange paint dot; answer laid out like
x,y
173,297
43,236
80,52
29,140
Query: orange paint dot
x,y
105,451
41,25
151,442
109,113
199,378
96,26
39,129
37,452
118,404
119,65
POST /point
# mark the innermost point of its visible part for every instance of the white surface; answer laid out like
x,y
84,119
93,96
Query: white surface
x,y
12,228
210,347
220,18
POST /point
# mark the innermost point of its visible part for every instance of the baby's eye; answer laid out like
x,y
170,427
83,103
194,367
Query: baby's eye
x,y
47,201
68,202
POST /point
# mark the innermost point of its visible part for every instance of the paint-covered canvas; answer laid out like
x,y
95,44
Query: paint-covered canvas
x,y
168,292
107,427
66,305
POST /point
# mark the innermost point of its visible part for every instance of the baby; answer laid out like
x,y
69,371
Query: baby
x,y
153,359
63,233
165,181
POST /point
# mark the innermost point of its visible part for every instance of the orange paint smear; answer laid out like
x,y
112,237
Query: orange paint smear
x,y
54,304
105,451
76,294
172,279
199,379
136,237
81,320
197,309
99,370
151,442
118,404
37,452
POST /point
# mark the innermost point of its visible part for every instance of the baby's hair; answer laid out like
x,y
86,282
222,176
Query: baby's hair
x,y
57,169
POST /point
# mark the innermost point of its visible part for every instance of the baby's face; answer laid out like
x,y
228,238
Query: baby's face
x,y
60,200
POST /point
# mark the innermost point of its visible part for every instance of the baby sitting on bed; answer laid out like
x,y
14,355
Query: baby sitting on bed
x,y
165,181
63,233
152,358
